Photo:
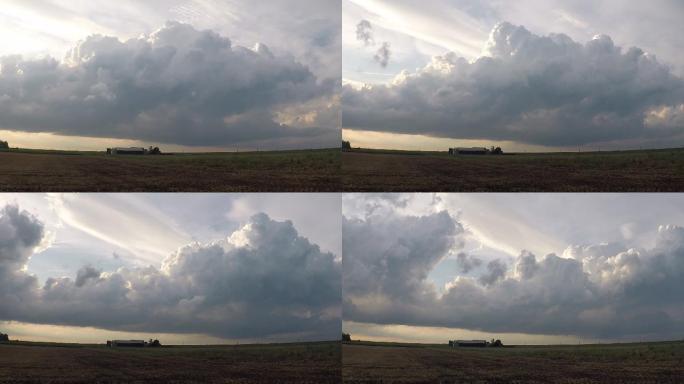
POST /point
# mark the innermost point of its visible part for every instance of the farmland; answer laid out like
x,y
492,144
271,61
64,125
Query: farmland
x,y
405,171
365,362
63,171
74,363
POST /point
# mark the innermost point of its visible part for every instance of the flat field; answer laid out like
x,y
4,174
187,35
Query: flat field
x,y
72,363
404,171
605,363
59,171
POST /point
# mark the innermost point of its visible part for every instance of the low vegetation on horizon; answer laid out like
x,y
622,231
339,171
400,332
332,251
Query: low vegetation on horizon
x,y
75,171
415,171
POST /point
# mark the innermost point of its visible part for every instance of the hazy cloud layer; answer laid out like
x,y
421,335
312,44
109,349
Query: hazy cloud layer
x,y
263,281
177,85
546,90
599,291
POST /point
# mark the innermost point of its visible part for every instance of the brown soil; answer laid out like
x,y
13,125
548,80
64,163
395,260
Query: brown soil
x,y
298,363
625,363
302,171
392,171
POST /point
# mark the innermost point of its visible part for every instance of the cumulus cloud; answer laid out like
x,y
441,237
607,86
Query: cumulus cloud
x,y
604,291
496,270
262,281
177,85
387,258
383,54
20,235
364,32
546,90
86,273
467,263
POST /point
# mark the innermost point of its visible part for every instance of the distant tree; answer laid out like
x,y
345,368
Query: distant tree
x,y
4,338
496,343
154,343
346,337
4,145
154,151
497,151
346,145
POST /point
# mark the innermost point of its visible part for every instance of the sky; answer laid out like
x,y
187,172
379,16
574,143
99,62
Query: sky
x,y
525,268
527,75
191,75
184,268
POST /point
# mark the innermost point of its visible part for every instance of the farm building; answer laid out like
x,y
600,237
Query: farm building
x,y
4,338
126,343
126,151
134,151
468,151
4,146
468,343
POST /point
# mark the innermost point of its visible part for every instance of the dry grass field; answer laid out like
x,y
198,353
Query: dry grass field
x,y
57,171
403,171
276,363
608,363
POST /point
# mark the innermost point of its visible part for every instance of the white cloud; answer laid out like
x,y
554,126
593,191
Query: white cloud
x,y
606,290
262,281
180,85
544,90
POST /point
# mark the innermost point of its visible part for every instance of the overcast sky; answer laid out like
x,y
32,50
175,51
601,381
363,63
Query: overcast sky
x,y
190,74
527,268
529,75
188,268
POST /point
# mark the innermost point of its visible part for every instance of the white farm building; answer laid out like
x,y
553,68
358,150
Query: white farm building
x,y
126,343
468,343
469,151
127,151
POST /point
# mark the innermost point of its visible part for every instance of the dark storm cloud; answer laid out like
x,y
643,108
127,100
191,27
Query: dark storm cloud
x,y
596,291
547,90
178,85
262,281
